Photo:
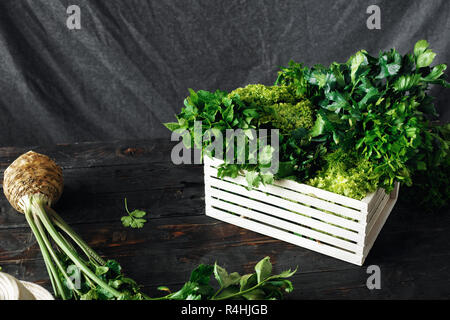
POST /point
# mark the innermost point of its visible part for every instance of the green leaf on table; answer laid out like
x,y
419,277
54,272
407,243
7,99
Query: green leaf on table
x,y
101,270
285,274
138,223
114,266
248,281
257,294
202,274
134,219
232,290
223,278
263,269
435,73
103,294
164,288
188,288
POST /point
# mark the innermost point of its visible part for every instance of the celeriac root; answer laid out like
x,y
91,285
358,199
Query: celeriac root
x,y
32,173
32,184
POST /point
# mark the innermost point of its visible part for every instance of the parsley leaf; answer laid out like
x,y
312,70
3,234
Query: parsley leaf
x,y
134,219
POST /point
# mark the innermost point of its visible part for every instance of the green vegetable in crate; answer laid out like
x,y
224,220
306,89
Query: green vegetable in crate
x,y
280,106
375,107
378,107
347,174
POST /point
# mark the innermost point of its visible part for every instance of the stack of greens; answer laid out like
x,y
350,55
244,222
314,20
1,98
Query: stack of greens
x,y
349,128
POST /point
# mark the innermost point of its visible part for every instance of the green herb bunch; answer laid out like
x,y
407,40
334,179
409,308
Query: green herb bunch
x,y
365,123
377,107
260,285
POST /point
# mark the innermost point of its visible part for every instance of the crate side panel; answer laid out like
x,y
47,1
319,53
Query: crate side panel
x,y
306,189
284,236
285,226
286,214
295,196
287,204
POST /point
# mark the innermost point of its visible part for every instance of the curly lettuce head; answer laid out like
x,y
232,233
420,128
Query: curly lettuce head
x,y
347,174
282,107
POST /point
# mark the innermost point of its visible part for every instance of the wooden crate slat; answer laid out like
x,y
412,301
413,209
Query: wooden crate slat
x,y
295,196
306,189
288,215
377,213
322,194
296,207
371,206
372,236
287,226
284,236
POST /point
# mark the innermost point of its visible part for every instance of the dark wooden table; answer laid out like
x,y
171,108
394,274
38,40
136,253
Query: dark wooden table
x,y
412,250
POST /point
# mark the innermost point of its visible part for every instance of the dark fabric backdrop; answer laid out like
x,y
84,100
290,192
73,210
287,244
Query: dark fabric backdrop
x,y
129,67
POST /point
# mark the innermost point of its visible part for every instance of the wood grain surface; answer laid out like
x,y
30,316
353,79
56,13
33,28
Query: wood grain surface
x,y
412,250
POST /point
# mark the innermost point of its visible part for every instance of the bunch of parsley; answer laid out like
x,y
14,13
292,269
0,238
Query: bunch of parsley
x,y
378,107
375,109
260,285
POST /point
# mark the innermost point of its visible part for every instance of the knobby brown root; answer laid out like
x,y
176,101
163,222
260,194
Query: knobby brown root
x,y
30,174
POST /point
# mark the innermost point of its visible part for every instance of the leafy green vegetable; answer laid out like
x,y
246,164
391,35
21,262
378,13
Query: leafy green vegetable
x,y
134,219
378,106
346,174
261,285
374,109
431,189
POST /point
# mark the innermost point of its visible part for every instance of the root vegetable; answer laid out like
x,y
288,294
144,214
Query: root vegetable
x,y
32,184
32,174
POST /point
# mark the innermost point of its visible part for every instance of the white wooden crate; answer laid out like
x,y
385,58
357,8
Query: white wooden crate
x,y
319,220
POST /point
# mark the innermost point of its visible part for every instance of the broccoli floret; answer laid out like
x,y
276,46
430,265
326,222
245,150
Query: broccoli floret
x,y
346,173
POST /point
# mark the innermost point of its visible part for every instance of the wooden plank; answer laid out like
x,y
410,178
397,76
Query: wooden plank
x,y
94,154
411,249
165,254
97,194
